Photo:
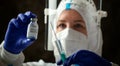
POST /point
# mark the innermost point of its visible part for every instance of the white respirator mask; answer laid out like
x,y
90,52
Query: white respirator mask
x,y
71,41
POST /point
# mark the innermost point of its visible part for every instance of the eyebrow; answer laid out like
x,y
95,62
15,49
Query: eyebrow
x,y
78,21
61,20
74,21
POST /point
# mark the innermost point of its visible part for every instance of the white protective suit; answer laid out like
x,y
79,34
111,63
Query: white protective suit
x,y
89,13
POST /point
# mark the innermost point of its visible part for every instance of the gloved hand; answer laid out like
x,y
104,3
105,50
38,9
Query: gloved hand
x,y
15,38
85,58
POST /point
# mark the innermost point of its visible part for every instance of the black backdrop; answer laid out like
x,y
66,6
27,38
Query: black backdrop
x,y
110,27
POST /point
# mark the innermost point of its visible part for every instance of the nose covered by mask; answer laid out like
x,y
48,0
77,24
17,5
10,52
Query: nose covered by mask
x,y
71,41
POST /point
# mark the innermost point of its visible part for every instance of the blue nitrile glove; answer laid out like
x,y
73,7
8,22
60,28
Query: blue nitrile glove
x,y
85,58
15,38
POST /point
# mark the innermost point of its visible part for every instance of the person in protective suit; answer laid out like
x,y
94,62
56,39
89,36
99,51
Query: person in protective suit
x,y
76,26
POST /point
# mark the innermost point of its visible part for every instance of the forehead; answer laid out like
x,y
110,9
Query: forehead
x,y
70,14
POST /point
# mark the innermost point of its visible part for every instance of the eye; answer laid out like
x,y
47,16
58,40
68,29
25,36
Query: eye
x,y
61,26
78,26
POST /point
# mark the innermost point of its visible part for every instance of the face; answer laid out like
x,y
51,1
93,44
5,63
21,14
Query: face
x,y
71,19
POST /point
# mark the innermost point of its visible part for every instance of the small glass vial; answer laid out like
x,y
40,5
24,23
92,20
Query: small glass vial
x,y
32,30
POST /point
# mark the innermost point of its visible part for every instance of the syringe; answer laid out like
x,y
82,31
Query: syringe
x,y
58,44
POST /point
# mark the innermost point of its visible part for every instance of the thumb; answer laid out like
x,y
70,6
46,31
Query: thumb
x,y
27,42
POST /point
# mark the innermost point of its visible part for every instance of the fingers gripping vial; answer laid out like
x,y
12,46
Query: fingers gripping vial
x,y
32,30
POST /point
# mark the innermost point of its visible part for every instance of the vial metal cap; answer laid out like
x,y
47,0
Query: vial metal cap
x,y
34,19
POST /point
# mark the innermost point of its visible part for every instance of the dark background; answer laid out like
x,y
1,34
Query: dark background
x,y
110,27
